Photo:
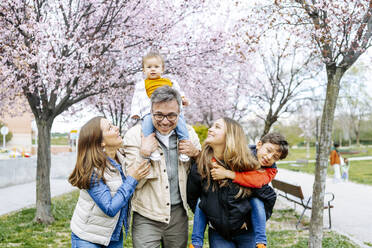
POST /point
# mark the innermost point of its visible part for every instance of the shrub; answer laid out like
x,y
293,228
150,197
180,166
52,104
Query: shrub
x,y
201,131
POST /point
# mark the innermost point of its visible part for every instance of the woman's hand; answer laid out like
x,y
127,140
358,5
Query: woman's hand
x,y
139,172
219,172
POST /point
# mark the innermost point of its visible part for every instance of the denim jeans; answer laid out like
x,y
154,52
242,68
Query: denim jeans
x,y
258,220
76,242
181,129
244,240
198,229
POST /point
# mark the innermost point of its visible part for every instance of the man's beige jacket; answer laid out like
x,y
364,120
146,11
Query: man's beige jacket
x,y
152,196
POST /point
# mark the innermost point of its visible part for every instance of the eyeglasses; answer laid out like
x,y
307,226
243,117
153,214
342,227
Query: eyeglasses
x,y
170,117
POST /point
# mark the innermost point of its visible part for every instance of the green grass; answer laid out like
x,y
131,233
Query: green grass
x,y
18,229
359,172
300,153
62,141
368,243
59,141
282,232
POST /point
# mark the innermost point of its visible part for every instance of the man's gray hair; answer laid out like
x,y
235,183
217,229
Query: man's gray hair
x,y
165,94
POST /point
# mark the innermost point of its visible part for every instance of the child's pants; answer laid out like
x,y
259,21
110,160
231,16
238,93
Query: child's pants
x,y
258,220
198,229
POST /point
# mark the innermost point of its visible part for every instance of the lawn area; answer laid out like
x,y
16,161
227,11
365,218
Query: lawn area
x,y
62,140
300,153
359,172
18,230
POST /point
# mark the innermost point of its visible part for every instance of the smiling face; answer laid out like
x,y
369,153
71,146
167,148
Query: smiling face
x,y
110,135
267,153
165,108
217,134
153,68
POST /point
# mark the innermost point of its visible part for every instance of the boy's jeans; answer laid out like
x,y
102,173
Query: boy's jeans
x,y
181,129
258,222
198,229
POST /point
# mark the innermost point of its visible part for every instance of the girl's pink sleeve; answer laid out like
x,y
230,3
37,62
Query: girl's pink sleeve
x,y
255,178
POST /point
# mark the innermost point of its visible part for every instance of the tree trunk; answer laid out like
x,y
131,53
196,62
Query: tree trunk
x,y
334,75
43,197
266,128
307,149
357,136
340,139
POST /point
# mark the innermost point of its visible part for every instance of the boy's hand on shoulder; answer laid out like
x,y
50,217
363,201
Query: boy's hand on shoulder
x,y
219,172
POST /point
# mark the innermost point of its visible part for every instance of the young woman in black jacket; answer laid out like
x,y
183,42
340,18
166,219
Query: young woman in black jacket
x,y
225,203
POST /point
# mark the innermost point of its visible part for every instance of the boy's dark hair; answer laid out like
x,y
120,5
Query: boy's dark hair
x,y
277,139
336,144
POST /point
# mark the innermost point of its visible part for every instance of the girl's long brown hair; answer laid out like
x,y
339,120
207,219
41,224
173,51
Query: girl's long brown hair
x,y
90,155
237,156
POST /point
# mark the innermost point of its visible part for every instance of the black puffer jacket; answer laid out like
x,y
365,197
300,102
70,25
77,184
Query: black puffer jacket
x,y
224,212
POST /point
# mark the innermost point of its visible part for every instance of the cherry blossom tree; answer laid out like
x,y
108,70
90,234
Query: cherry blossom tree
x,y
283,72
114,106
340,32
354,103
58,53
194,56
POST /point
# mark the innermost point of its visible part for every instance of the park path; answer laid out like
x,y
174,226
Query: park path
x,y
352,214
16,197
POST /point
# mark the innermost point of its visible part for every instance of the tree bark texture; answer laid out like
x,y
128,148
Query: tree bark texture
x,y
43,196
334,75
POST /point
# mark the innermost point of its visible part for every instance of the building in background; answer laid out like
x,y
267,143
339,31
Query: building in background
x,y
20,126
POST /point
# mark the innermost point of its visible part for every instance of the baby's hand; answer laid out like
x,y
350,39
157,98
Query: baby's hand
x,y
185,101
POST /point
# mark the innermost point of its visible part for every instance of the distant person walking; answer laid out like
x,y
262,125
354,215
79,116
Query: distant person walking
x,y
345,169
335,161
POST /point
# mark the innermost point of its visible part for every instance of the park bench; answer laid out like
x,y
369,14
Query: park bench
x,y
300,162
294,194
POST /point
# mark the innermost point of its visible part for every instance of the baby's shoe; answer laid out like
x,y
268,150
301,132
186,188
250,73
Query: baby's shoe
x,y
260,246
155,156
184,157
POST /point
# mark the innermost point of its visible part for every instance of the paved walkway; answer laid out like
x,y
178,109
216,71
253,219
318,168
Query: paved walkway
x,y
24,195
352,214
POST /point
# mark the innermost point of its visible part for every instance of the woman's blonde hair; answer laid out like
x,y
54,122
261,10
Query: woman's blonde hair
x,y
236,156
90,155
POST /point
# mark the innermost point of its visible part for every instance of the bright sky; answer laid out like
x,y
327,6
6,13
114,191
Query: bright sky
x,y
65,124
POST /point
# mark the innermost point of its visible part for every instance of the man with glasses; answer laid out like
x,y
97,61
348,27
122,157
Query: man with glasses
x,y
159,203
